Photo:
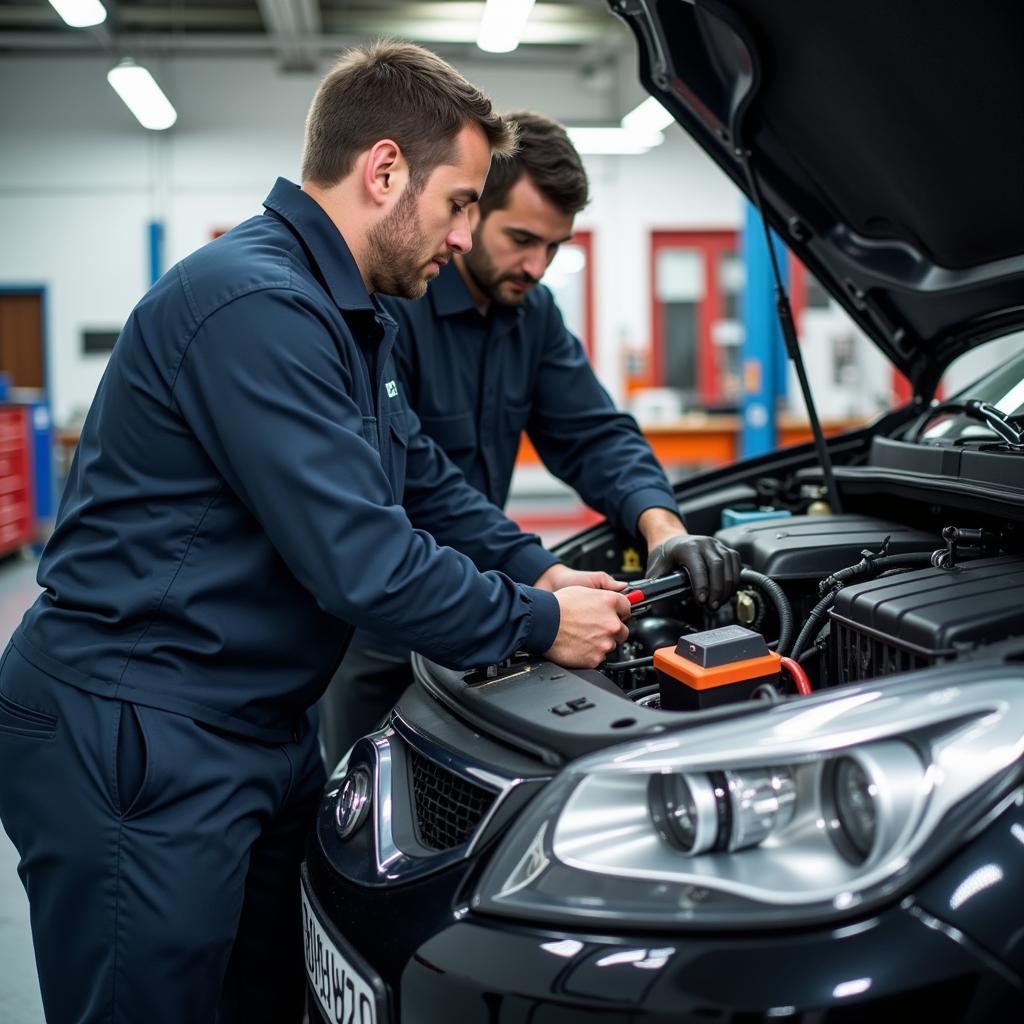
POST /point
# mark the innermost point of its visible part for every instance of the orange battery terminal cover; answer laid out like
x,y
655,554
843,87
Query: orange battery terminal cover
x,y
697,678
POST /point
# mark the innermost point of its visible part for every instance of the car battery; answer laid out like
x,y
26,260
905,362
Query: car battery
x,y
714,667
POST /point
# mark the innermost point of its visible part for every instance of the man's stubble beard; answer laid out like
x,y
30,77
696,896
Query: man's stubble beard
x,y
398,250
487,279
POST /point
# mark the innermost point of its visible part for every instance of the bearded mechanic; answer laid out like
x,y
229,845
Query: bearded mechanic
x,y
483,356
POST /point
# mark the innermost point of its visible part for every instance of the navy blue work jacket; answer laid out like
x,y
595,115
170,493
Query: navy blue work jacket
x,y
238,489
476,382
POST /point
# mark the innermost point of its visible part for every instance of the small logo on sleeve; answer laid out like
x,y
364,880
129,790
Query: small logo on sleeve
x,y
391,388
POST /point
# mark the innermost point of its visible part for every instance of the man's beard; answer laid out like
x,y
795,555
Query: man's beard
x,y
398,250
488,280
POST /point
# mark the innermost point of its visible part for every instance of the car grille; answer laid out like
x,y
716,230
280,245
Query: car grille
x,y
862,656
448,807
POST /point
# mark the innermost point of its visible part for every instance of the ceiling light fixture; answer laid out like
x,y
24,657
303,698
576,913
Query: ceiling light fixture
x,y
142,96
80,13
649,116
613,141
502,24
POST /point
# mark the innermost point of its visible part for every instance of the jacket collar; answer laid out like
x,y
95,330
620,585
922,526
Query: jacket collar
x,y
450,296
325,243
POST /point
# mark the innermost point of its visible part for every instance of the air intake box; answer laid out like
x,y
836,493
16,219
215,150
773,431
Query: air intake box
x,y
915,619
813,547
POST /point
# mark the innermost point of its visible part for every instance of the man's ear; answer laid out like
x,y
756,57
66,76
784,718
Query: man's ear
x,y
385,172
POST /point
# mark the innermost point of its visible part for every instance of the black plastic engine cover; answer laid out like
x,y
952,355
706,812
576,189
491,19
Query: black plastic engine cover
x,y
812,547
933,613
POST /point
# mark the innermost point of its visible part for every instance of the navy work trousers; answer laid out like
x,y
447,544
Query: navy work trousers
x,y
160,856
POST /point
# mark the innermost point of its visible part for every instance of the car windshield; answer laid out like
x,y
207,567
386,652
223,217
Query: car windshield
x,y
1002,388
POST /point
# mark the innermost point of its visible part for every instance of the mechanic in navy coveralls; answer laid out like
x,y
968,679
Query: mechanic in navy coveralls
x,y
237,491
486,355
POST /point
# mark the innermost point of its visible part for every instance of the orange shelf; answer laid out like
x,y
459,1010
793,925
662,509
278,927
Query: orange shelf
x,y
706,440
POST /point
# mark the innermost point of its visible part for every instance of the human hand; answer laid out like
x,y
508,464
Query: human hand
x,y
713,568
559,576
592,623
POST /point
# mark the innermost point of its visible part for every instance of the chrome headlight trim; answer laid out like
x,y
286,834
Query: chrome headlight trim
x,y
922,748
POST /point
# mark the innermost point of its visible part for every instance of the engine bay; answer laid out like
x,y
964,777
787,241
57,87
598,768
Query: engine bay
x,y
824,600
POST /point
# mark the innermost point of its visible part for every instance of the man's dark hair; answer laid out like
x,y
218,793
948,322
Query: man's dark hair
x,y
548,157
399,91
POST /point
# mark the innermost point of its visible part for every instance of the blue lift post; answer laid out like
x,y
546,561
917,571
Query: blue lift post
x,y
763,364
156,250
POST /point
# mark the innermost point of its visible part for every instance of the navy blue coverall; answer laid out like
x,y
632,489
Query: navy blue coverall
x,y
476,383
233,511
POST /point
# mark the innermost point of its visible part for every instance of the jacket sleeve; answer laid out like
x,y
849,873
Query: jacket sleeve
x,y
584,440
438,499
265,385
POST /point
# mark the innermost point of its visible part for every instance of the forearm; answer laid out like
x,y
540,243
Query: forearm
x,y
656,525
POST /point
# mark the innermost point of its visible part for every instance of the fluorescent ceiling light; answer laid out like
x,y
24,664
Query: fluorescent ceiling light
x,y
502,24
650,116
142,96
80,13
613,140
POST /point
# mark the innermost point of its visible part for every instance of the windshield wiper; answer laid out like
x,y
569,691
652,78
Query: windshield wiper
x,y
996,421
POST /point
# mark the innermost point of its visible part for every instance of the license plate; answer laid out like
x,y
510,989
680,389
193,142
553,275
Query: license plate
x,y
347,995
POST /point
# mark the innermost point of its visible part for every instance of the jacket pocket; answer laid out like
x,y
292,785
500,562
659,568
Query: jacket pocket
x,y
18,720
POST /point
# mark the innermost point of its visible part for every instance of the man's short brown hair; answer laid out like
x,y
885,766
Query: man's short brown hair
x,y
399,91
548,156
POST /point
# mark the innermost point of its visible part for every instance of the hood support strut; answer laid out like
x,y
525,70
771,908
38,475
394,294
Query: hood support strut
x,y
785,315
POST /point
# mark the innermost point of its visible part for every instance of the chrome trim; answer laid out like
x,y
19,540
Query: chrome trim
x,y
350,806
382,753
386,851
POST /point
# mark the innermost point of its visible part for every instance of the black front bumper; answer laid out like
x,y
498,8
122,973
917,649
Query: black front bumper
x,y
441,964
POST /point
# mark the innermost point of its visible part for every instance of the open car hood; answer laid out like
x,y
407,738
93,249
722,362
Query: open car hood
x,y
886,141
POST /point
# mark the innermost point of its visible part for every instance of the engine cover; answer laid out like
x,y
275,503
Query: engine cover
x,y
812,547
915,619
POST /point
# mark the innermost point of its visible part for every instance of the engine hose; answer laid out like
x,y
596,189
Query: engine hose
x,y
873,565
777,596
799,677
813,651
867,566
622,666
813,624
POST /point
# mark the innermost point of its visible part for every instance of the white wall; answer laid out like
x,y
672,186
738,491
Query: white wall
x,y
80,180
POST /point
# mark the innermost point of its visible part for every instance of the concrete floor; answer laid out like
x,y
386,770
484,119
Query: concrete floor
x,y
19,990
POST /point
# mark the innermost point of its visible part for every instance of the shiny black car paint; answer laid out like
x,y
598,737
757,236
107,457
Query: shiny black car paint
x,y
441,963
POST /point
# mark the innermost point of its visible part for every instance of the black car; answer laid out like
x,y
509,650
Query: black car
x,y
809,804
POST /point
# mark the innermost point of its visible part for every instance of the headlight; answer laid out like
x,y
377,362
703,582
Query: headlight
x,y
806,811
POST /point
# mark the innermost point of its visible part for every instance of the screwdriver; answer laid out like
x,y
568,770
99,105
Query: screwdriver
x,y
644,592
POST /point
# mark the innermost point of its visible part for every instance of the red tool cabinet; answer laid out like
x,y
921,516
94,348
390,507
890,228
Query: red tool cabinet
x,y
16,526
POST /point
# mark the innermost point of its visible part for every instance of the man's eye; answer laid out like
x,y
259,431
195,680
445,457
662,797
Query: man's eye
x,y
458,207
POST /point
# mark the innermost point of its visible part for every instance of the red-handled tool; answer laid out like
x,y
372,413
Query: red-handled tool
x,y
643,592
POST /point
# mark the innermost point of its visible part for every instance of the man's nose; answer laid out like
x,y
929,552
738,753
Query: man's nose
x,y
535,263
460,239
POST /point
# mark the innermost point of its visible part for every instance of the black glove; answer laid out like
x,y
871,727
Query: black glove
x,y
714,569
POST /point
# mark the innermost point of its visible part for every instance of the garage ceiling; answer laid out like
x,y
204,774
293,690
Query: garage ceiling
x,y
301,33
